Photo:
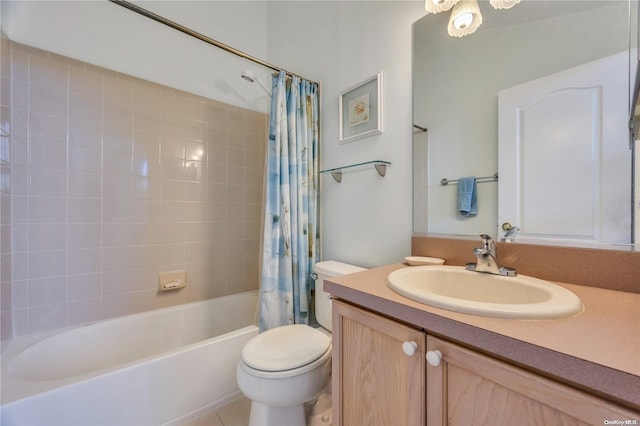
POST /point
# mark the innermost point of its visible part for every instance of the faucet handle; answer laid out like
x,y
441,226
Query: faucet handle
x,y
487,241
488,245
485,237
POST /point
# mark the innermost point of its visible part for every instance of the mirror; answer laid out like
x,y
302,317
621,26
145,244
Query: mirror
x,y
456,87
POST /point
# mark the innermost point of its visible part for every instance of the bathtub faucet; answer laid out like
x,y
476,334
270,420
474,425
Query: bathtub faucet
x,y
487,254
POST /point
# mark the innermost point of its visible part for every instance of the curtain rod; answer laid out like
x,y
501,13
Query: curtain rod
x,y
144,12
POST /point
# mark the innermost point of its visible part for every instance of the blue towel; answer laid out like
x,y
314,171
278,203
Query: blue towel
x,y
467,196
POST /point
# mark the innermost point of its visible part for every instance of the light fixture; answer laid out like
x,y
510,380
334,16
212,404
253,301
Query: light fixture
x,y
503,4
437,6
465,18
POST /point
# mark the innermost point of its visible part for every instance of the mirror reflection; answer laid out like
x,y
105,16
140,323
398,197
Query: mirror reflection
x,y
540,94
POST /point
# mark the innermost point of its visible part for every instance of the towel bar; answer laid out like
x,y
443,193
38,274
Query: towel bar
x,y
493,178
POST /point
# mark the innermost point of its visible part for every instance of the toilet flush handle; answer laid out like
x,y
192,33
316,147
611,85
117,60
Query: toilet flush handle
x,y
409,348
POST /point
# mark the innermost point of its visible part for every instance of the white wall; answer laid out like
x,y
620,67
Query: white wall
x,y
105,34
366,218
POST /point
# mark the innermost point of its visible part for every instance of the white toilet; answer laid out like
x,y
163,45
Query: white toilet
x,y
286,367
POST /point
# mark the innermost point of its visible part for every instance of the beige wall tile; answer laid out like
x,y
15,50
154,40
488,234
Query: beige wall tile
x,y
47,291
20,96
216,116
85,108
118,93
115,180
85,311
143,301
119,117
5,90
170,298
6,325
55,58
19,66
85,133
196,292
45,72
43,318
235,120
117,305
86,286
46,100
236,175
48,128
147,143
50,155
85,82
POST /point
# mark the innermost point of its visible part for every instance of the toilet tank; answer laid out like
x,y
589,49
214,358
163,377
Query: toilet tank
x,y
324,270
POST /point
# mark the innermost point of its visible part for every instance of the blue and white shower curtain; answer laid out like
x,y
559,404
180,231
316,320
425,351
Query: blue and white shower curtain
x,y
291,204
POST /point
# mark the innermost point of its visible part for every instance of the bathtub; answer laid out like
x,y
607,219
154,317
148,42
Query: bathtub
x,y
161,367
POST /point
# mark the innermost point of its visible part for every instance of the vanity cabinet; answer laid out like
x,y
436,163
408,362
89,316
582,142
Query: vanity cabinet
x,y
374,381
468,388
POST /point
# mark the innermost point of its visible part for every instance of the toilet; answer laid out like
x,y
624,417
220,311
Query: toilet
x,y
284,368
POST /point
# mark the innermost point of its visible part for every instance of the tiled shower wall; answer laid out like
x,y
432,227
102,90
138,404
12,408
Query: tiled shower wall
x,y
116,179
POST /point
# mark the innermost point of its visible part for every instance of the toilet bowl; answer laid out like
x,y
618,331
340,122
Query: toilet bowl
x,y
284,368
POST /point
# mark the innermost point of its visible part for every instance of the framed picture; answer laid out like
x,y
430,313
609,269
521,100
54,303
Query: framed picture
x,y
361,110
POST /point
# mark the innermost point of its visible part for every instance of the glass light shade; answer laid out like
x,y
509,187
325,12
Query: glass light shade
x,y
503,4
437,6
465,18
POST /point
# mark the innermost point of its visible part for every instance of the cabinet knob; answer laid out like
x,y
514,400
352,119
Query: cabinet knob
x,y
434,358
409,348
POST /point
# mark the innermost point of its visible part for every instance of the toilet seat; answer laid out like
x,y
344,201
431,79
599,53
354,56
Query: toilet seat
x,y
286,374
285,351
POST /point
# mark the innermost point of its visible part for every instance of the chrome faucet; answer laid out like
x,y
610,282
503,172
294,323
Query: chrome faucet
x,y
487,254
510,234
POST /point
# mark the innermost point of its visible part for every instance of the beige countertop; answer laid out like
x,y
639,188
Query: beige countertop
x,y
598,349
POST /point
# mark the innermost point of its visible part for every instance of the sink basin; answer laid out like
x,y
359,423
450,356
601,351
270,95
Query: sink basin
x,y
456,289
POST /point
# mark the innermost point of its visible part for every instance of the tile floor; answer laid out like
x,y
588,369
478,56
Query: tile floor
x,y
235,413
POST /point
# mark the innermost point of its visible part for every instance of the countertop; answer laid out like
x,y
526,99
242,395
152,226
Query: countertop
x,y
597,350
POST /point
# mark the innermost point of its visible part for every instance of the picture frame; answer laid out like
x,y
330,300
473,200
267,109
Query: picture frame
x,y
360,109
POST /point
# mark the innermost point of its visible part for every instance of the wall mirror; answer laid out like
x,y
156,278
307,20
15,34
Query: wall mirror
x,y
462,85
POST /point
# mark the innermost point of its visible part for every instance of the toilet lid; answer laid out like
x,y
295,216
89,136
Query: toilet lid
x,y
285,348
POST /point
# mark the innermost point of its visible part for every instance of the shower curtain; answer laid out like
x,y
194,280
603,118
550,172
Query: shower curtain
x,y
291,203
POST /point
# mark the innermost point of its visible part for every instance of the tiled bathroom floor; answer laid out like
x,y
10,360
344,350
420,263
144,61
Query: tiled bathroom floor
x,y
234,414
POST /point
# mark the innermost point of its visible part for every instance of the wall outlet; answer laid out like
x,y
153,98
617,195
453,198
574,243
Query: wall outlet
x,y
172,280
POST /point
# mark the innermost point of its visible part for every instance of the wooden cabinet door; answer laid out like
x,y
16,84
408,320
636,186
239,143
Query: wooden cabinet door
x,y
468,388
374,382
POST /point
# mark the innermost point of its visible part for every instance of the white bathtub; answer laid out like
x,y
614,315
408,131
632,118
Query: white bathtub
x,y
161,367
